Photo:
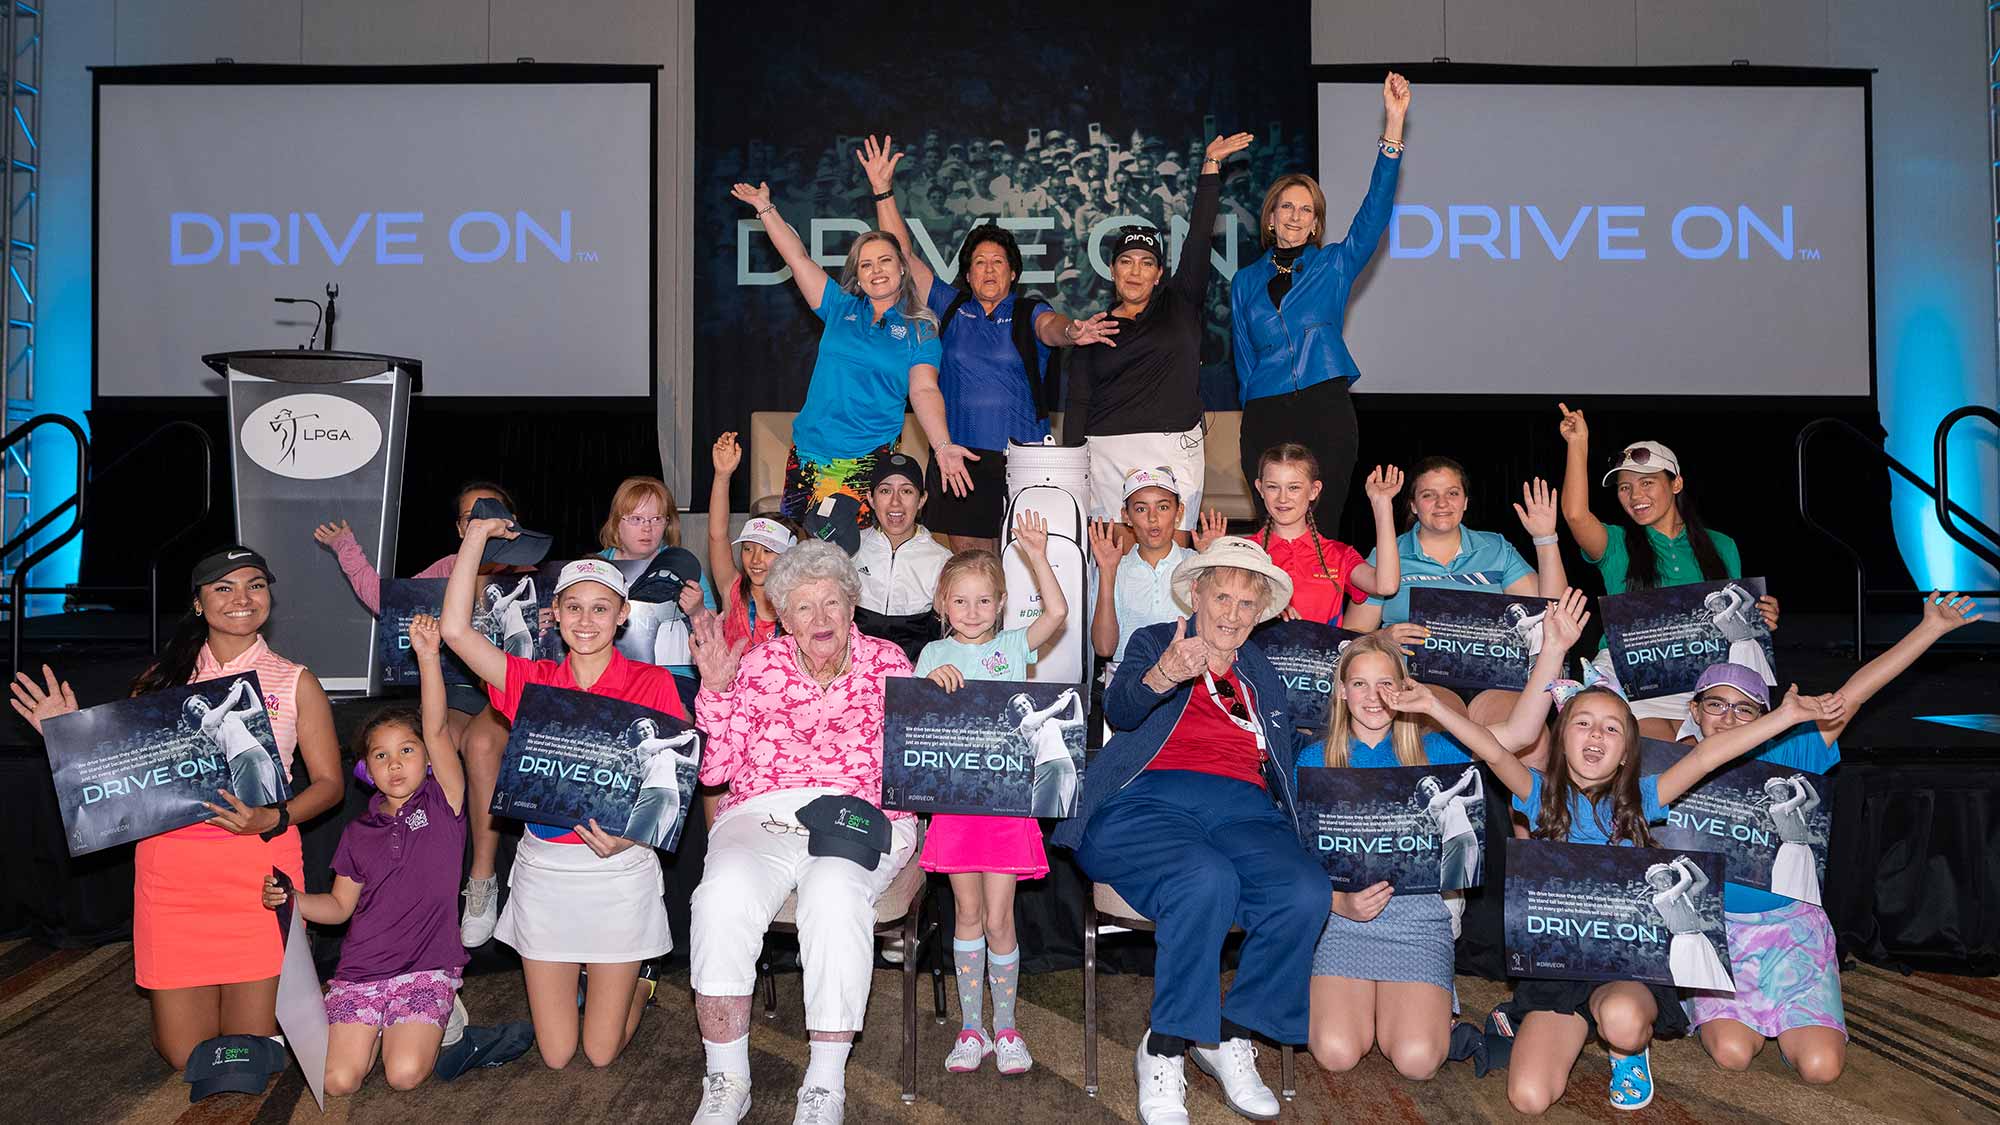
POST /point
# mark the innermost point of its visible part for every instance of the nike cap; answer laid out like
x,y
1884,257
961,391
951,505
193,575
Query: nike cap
x,y
224,561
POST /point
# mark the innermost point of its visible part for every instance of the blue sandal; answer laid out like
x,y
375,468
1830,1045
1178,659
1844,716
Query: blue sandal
x,y
1632,1080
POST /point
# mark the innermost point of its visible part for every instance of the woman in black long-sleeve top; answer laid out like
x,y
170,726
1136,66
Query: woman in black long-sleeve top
x,y
1138,405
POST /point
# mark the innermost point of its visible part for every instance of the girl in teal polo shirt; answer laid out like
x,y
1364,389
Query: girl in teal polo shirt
x,y
878,347
1661,543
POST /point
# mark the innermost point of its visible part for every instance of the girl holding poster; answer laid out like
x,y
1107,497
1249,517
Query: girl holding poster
x,y
984,855
1382,973
1592,793
1781,945
202,945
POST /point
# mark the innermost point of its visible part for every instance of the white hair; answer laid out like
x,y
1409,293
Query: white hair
x,y
1269,587
813,560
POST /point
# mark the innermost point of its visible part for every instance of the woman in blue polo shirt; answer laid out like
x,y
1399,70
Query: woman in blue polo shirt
x,y
1286,311
991,396
879,347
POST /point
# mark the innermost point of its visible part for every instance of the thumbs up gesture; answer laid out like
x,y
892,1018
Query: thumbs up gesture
x,y
1185,657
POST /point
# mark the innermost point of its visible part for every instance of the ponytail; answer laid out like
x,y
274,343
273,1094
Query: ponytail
x,y
174,665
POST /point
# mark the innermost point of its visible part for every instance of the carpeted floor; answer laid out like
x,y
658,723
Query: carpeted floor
x,y
74,1048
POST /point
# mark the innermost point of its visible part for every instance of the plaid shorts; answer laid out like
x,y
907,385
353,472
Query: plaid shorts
x,y
421,997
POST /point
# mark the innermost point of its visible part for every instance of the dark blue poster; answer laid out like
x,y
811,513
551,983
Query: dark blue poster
x,y
142,766
1422,829
574,757
1477,640
1304,653
402,599
1771,821
1592,912
1661,640
993,747
1063,122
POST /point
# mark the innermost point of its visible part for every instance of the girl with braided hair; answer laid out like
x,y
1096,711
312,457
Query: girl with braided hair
x,y
1326,573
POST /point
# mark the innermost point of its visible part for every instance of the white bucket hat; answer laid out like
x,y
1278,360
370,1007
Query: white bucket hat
x,y
1241,554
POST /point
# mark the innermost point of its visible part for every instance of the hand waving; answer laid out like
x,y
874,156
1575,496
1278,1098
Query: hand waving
x,y
329,533
725,454
1222,148
425,636
1383,484
1031,531
1211,527
1945,612
34,703
878,160
1104,546
1099,328
714,656
1537,509
758,197
1563,624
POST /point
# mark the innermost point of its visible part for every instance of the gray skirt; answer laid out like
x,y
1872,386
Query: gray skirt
x,y
1409,941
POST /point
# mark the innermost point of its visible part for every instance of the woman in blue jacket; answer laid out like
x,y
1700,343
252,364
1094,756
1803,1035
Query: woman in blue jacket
x,y
1286,311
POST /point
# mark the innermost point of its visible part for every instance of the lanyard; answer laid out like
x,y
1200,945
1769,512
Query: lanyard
x,y
1253,724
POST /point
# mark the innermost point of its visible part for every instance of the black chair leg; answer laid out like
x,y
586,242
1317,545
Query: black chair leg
x,y
1287,1072
910,1007
770,990
1090,998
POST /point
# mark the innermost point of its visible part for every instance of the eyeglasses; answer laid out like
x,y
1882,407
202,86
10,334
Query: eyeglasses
x,y
779,828
643,521
1227,696
1748,712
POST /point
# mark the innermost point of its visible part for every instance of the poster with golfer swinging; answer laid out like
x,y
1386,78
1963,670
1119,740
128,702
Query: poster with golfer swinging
x,y
1590,912
1771,821
993,747
574,757
1421,829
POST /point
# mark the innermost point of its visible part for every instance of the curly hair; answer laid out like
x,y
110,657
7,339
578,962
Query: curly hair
x,y
813,560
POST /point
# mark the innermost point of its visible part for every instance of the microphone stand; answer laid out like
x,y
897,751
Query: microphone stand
x,y
332,291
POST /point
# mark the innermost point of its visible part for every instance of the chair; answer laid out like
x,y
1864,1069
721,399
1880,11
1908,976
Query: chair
x,y
896,913
1106,906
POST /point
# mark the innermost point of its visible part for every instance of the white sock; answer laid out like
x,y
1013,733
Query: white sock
x,y
828,1066
732,1057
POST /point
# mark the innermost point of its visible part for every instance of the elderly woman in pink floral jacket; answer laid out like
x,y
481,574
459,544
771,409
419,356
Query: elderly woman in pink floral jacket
x,y
794,719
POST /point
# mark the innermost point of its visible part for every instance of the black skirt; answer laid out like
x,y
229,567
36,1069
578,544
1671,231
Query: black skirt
x,y
1572,998
977,514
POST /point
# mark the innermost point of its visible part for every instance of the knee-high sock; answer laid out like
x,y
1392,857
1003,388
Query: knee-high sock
x,y
969,966
1004,970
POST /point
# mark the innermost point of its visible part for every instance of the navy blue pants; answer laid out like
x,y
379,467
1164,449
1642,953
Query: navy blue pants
x,y
1198,853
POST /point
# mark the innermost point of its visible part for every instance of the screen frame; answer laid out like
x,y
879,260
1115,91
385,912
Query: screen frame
x,y
456,74
1444,71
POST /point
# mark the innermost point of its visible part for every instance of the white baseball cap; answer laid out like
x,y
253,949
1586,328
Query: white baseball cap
x,y
1160,477
1645,457
768,534
591,570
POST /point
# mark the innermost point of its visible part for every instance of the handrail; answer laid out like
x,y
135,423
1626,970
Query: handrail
x,y
1942,497
17,604
207,492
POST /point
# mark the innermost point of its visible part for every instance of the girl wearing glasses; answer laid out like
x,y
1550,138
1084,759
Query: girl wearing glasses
x,y
643,520
1781,947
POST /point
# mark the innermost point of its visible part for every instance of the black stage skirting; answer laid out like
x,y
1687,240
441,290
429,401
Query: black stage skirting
x,y
1914,871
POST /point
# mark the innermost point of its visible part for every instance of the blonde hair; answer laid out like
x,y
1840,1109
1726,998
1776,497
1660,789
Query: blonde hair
x,y
1278,186
909,302
1404,733
633,491
963,564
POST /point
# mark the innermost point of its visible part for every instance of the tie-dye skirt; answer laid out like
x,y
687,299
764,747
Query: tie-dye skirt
x,y
1787,973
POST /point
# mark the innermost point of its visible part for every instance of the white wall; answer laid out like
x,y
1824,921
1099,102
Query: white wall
x,y
1934,269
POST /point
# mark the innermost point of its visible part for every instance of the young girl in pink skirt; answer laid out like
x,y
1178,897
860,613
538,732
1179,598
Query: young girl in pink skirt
x,y
984,855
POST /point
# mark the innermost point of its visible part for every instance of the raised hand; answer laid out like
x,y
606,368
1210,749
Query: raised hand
x,y
328,533
1406,634
1537,509
948,677
1185,658
1031,531
1362,905
425,636
1099,328
1563,624
1209,528
1945,612
1396,95
35,703
1829,708
878,160
759,197
1383,484
491,529
1104,546
1222,148
725,454
1574,430
714,656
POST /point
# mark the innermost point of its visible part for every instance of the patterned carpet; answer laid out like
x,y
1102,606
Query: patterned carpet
x,y
74,1048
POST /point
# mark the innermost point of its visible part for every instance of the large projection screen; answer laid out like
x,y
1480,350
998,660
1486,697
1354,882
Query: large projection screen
x,y
1620,236
502,231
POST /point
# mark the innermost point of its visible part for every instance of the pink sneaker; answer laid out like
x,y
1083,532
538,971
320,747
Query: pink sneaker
x,y
1011,1053
970,1050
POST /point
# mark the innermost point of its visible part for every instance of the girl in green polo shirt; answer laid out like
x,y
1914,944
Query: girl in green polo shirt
x,y
1661,542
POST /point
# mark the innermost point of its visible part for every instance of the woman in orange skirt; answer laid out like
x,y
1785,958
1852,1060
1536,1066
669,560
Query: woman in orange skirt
x,y
205,949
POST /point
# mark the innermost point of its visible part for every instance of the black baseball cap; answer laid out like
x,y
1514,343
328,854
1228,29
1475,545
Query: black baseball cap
x,y
235,1064
836,519
227,560
1140,238
897,465
848,827
663,578
527,547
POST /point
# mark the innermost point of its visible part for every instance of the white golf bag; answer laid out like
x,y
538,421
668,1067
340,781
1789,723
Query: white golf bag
x,y
1067,659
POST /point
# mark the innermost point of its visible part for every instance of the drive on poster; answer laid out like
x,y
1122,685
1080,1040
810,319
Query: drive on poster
x,y
1421,829
1661,640
1591,912
1477,640
1304,653
1771,821
993,747
574,757
404,598
138,767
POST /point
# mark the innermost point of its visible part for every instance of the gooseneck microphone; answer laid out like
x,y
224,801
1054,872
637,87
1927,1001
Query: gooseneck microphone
x,y
319,314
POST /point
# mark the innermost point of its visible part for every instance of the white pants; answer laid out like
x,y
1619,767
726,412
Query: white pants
x,y
749,871
1113,458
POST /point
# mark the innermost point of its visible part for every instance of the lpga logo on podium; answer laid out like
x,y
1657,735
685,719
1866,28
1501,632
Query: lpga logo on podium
x,y
311,436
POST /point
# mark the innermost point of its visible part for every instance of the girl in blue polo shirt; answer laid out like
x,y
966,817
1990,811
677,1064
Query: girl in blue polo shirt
x,y
1781,947
879,347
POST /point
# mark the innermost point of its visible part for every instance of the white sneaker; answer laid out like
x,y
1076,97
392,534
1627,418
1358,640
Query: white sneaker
x,y
482,911
1012,1054
1233,1064
1162,1087
971,1049
820,1106
725,1098
454,1024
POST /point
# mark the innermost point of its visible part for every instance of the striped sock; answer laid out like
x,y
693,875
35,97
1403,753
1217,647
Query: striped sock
x,y
969,966
1004,970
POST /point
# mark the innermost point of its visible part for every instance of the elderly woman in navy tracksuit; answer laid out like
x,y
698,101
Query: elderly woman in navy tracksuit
x,y
1188,814
1286,312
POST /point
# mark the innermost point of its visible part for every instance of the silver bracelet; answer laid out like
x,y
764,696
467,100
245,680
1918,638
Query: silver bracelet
x,y
1543,540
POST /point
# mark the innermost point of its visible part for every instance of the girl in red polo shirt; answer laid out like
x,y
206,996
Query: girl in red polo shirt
x,y
1326,573
580,898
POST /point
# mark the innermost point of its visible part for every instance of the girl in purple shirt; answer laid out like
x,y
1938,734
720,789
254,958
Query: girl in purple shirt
x,y
396,878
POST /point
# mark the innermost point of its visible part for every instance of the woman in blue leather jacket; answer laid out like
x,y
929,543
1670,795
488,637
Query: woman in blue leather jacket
x,y
1286,312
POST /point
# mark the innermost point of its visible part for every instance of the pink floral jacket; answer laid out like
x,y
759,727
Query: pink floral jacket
x,y
777,729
